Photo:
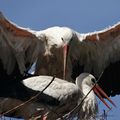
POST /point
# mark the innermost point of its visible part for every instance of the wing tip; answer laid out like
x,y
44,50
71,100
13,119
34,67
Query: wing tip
x,y
13,28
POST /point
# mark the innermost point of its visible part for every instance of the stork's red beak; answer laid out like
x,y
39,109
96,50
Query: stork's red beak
x,y
65,52
99,92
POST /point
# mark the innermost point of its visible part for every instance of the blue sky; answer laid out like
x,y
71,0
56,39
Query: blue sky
x,y
80,15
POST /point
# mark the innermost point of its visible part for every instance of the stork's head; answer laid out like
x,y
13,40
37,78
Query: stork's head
x,y
88,81
85,79
56,35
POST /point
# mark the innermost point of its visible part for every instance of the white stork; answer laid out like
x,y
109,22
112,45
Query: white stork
x,y
61,98
96,53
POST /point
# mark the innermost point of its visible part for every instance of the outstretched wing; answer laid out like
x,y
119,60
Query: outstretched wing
x,y
99,54
19,47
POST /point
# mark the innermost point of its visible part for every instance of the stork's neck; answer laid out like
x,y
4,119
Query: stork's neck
x,y
85,89
89,107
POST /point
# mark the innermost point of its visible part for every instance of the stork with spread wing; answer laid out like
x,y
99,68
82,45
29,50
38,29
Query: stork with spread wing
x,y
95,53
59,51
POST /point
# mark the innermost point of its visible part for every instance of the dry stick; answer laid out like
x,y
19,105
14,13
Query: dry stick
x,y
32,98
18,106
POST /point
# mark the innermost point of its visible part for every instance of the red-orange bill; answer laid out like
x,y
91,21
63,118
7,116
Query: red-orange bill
x,y
99,92
65,51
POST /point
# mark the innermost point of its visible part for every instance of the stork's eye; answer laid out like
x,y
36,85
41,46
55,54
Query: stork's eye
x,y
93,80
62,39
